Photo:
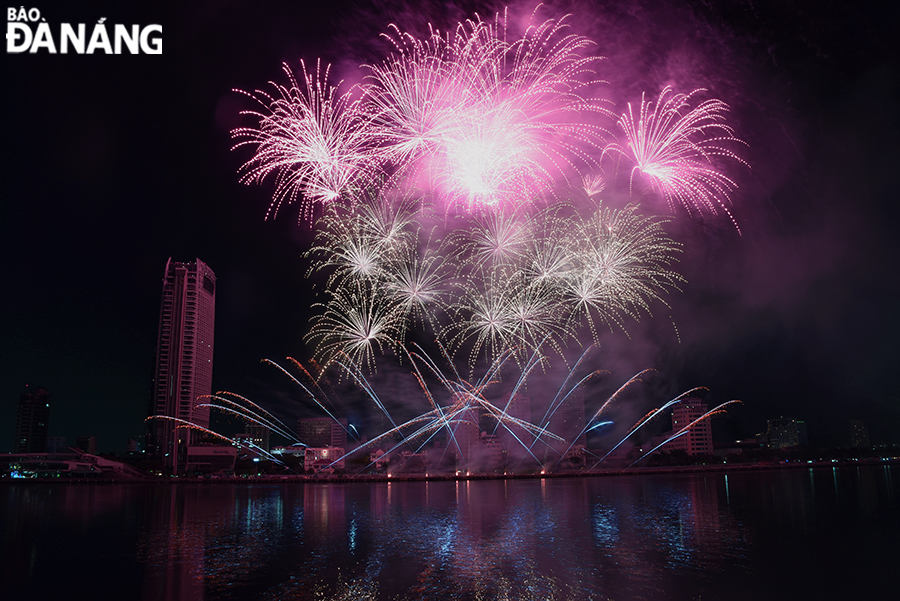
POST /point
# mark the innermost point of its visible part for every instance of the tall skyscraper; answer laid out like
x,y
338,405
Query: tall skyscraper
x,y
514,437
32,421
184,357
698,440
568,422
859,434
465,441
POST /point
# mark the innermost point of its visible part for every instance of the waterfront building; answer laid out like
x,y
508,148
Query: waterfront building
x,y
464,439
297,450
859,434
88,444
513,437
322,431
184,359
698,440
324,459
259,435
210,460
56,443
785,432
567,422
32,421
256,438
65,464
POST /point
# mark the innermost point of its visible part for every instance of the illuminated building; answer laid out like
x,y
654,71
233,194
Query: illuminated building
x,y
859,434
568,422
256,437
785,432
32,421
322,431
184,358
512,436
698,440
67,464
323,459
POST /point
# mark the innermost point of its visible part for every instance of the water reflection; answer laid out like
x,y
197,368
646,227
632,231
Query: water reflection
x,y
659,537
540,539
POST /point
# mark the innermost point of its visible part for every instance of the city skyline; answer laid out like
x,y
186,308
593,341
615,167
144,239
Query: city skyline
x,y
793,316
184,359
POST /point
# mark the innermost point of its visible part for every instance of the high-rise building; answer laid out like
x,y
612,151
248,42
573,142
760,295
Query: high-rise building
x,y
56,443
698,440
88,444
32,421
464,436
568,422
512,436
323,432
859,434
184,358
785,432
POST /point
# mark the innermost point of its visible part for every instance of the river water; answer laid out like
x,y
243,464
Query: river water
x,y
779,534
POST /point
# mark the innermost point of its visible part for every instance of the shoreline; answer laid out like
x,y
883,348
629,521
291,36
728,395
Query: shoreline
x,y
380,478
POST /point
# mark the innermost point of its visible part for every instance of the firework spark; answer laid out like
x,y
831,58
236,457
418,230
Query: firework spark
x,y
314,141
356,322
623,264
484,118
504,280
457,413
488,135
675,147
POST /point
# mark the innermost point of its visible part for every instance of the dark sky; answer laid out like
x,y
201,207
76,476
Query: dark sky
x,y
112,164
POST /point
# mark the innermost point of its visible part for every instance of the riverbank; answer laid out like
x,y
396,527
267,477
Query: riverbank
x,y
444,477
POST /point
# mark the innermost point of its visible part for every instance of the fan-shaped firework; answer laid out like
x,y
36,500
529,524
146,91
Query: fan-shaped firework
x,y
670,144
314,141
455,407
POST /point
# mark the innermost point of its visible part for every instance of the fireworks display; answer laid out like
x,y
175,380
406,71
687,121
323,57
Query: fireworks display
x,y
673,145
500,282
457,197
481,117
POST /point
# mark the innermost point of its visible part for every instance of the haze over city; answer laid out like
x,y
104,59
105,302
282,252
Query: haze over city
x,y
113,164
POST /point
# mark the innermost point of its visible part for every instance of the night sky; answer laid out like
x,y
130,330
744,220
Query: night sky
x,y
112,164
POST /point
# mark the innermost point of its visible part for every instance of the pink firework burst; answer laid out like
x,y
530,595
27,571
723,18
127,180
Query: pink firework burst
x,y
314,141
483,120
676,146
